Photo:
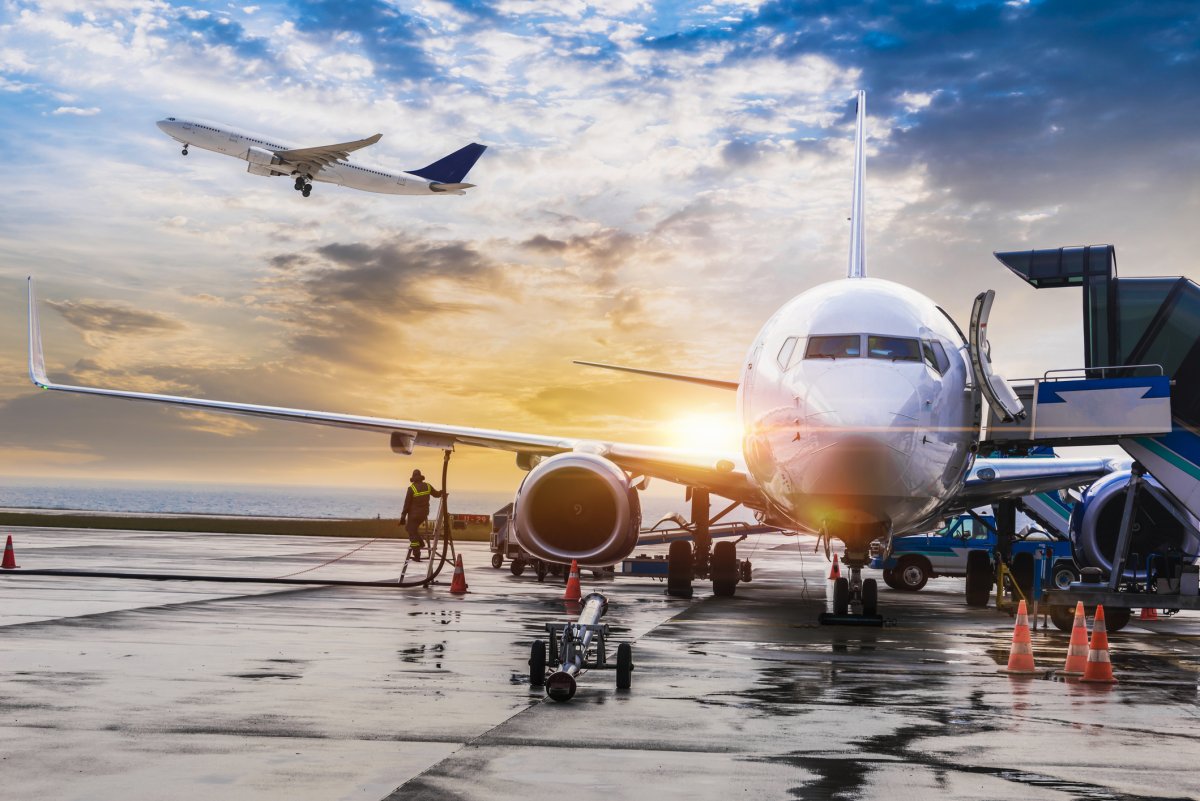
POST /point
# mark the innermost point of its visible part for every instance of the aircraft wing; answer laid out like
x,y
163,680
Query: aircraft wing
x,y
721,474
992,480
317,157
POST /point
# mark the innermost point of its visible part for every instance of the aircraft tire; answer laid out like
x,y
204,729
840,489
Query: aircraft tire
x,y
980,578
679,570
841,596
306,191
724,569
870,597
624,666
184,151
517,566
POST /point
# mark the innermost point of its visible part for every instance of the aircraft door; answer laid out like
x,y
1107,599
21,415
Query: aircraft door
x,y
997,391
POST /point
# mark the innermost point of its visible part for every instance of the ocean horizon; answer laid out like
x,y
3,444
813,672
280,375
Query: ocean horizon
x,y
171,497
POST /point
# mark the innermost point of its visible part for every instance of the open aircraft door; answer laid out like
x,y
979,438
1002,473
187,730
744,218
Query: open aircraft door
x,y
999,394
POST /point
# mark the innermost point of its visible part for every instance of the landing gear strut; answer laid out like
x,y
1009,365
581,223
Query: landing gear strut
x,y
700,559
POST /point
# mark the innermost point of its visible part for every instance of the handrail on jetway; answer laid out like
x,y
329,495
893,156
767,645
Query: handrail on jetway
x,y
1101,370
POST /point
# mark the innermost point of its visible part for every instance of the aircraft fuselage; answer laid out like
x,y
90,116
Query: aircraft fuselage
x,y
245,145
859,413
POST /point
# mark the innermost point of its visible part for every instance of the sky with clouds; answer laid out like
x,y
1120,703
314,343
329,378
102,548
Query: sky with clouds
x,y
660,177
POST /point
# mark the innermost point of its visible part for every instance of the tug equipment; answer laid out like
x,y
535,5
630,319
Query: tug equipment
x,y
576,647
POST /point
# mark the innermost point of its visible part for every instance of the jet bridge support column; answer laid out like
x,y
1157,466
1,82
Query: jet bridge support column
x,y
701,537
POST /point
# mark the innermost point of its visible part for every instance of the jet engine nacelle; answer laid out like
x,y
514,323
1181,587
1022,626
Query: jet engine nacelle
x,y
577,506
1096,525
265,158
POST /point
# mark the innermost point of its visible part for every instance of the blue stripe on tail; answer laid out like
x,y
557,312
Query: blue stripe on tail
x,y
453,168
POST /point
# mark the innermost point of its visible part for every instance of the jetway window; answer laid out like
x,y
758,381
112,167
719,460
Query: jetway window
x,y
842,346
899,349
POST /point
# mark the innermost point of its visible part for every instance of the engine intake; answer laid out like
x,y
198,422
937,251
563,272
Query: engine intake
x,y
577,506
1096,525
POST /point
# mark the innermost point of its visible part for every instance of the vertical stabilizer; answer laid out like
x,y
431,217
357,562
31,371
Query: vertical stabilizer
x,y
858,265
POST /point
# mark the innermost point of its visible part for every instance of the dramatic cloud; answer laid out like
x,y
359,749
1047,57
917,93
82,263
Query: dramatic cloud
x,y
659,179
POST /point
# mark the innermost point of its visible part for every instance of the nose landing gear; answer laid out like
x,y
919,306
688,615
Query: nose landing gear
x,y
854,592
185,147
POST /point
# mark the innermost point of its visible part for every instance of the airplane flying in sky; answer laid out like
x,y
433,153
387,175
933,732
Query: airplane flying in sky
x,y
325,163
861,401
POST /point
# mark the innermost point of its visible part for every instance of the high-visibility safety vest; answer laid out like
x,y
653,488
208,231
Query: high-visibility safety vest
x,y
418,493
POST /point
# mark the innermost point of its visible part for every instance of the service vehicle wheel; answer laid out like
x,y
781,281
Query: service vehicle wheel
x,y
890,579
841,596
1063,618
870,597
537,663
980,578
497,560
679,570
912,573
1116,618
624,666
1022,573
724,569
1064,576
517,566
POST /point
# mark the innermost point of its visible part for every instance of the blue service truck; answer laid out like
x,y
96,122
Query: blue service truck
x,y
917,558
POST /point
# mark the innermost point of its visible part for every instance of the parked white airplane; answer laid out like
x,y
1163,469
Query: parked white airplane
x,y
326,163
861,404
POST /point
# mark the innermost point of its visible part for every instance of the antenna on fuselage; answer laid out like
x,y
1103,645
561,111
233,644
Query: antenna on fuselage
x,y
858,265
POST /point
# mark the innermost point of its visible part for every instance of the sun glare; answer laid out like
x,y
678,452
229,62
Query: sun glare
x,y
706,432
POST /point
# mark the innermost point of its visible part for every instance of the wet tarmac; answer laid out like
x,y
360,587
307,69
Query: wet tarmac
x,y
114,689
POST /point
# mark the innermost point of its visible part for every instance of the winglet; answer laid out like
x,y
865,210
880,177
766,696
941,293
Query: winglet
x,y
37,361
858,266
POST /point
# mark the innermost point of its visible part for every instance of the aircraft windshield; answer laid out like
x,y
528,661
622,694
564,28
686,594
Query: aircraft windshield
x,y
847,346
894,348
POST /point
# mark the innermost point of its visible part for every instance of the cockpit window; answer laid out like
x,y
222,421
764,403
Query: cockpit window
x,y
844,346
785,352
900,349
172,119
935,355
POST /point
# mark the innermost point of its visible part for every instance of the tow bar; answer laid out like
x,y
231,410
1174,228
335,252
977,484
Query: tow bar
x,y
576,647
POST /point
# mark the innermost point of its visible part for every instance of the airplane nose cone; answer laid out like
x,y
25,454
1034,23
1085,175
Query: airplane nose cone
x,y
861,420
163,125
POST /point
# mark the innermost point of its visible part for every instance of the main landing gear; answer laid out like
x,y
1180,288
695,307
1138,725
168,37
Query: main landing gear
x,y
699,559
854,593
303,184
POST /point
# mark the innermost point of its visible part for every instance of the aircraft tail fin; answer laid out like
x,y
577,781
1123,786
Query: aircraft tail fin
x,y
858,265
453,168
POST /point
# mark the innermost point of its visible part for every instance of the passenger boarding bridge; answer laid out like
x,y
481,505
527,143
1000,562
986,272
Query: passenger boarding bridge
x,y
1140,383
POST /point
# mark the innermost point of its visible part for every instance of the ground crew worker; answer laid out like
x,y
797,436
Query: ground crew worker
x,y
416,512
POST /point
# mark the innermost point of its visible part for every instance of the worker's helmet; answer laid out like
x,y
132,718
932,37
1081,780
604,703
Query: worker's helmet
x,y
416,476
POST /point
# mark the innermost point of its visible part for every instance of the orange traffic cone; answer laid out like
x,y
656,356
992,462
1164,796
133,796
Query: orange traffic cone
x,y
573,592
458,584
10,558
1077,651
1148,614
1020,654
1099,668
835,572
